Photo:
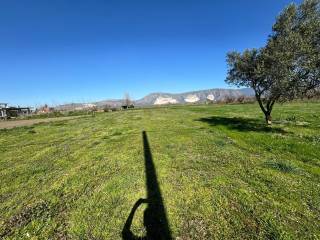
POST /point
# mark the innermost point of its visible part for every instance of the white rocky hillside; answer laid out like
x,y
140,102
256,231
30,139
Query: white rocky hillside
x,y
169,98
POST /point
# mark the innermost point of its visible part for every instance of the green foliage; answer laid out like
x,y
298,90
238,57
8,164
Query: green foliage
x,y
55,114
289,65
223,174
293,51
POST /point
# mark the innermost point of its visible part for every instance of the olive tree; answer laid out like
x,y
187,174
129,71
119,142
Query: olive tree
x,y
247,69
289,65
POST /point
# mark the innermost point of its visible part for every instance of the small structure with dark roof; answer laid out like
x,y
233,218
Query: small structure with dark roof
x,y
12,112
124,107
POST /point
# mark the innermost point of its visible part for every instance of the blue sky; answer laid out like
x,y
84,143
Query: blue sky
x,y
78,51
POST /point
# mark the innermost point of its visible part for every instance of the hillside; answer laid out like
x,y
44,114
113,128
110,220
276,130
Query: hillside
x,y
169,98
192,97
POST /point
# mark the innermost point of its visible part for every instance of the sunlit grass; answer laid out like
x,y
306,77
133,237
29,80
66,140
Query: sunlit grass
x,y
223,174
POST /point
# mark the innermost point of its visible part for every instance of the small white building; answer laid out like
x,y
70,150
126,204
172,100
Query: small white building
x,y
3,110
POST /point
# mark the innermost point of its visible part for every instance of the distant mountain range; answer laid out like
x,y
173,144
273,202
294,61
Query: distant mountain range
x,y
201,96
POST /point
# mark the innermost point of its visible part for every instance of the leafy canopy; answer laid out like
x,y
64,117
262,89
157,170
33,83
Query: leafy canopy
x,y
289,65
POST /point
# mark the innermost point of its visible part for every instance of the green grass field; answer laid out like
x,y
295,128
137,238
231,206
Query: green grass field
x,y
220,172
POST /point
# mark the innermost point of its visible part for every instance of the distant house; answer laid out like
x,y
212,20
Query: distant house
x,y
44,109
12,112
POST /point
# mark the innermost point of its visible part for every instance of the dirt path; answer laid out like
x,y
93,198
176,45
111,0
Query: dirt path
x,y
20,123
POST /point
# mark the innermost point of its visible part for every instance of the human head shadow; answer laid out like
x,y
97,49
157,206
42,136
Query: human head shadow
x,y
241,124
155,219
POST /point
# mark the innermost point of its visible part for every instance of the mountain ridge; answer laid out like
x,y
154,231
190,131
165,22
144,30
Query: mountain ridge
x,y
162,98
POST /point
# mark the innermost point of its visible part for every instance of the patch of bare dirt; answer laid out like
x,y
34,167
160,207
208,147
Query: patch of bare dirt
x,y
21,123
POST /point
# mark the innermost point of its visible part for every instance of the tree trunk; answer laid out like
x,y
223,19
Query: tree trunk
x,y
268,118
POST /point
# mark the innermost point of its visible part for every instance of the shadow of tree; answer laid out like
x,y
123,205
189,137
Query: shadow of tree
x,y
241,124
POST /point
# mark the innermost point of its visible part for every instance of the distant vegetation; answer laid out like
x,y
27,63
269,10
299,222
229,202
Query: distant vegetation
x,y
54,114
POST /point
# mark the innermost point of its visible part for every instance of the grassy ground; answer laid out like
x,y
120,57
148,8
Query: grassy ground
x,y
220,173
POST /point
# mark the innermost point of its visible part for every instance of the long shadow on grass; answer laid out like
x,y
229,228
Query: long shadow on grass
x,y
241,124
155,219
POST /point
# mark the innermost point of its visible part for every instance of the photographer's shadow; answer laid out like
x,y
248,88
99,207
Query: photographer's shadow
x,y
154,219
